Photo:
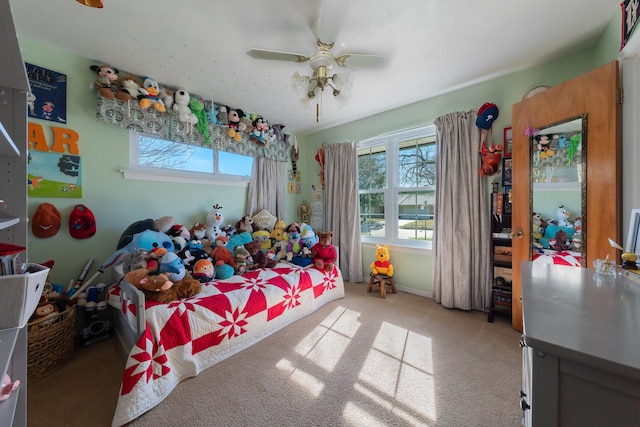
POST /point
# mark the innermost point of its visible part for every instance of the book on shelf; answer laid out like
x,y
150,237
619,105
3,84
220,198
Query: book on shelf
x,y
10,258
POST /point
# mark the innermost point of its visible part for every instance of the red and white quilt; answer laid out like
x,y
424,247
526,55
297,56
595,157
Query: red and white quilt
x,y
550,256
185,337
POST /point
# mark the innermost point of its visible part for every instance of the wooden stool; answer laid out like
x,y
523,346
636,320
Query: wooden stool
x,y
382,281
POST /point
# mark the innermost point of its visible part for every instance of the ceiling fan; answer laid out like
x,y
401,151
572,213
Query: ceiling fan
x,y
325,29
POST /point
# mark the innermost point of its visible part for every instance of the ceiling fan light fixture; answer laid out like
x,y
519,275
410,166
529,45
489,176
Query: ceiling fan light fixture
x,y
98,4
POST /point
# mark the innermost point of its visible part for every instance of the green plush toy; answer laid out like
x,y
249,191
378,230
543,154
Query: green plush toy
x,y
197,107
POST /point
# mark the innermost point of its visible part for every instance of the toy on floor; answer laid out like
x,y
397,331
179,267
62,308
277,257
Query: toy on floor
x,y
382,265
8,387
323,253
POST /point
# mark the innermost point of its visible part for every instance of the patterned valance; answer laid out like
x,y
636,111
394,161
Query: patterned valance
x,y
129,115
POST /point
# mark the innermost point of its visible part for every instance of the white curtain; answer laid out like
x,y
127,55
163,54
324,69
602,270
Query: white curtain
x,y
462,272
342,206
267,187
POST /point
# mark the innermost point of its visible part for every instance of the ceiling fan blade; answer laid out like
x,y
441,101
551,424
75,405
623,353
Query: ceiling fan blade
x,y
277,55
362,60
330,19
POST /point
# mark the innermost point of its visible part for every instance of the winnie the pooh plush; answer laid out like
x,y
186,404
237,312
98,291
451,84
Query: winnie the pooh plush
x,y
382,265
323,253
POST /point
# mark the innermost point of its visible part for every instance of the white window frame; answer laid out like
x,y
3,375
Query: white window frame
x,y
173,175
391,142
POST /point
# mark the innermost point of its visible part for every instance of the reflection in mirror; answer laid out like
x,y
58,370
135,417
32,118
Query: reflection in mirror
x,y
558,196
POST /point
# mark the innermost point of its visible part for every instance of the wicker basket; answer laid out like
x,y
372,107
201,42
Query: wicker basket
x,y
50,344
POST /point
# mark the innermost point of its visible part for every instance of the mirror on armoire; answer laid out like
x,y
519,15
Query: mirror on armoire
x,y
558,192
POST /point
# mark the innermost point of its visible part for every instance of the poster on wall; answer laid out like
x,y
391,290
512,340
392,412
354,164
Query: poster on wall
x,y
630,15
52,174
48,97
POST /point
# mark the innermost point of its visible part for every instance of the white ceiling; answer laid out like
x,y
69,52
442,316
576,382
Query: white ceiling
x,y
435,46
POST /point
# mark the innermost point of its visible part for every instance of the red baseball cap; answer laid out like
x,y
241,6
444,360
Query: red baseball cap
x,y
82,222
46,221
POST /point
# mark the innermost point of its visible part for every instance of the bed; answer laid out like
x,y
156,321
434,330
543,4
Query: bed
x,y
551,256
167,343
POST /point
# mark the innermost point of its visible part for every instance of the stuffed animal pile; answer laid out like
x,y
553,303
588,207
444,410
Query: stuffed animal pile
x,y
168,260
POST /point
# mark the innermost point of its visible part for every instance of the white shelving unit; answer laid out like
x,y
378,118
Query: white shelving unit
x,y
14,86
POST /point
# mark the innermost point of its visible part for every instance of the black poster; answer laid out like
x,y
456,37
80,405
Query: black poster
x,y
48,97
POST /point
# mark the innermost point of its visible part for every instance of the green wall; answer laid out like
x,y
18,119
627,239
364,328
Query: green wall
x,y
117,202
414,269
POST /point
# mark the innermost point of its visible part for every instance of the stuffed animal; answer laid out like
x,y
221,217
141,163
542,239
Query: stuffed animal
x,y
278,231
7,387
167,98
544,146
235,128
260,127
198,231
382,265
212,113
197,107
246,124
560,242
172,266
134,260
264,237
221,254
181,100
307,236
562,215
245,224
279,133
106,81
242,258
158,287
214,221
131,239
323,253
46,312
280,249
239,239
260,259
153,96
203,270
130,89
294,245
223,115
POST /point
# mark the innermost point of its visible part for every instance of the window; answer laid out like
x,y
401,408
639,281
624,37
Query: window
x,y
396,174
159,159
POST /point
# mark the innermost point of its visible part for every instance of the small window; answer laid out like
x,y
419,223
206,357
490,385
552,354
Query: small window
x,y
155,157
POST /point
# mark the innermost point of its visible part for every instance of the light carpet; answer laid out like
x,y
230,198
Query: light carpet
x,y
358,361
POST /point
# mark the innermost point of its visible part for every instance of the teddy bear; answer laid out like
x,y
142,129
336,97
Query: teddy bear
x,y
181,99
382,265
260,259
46,312
323,253
157,286
106,81
153,96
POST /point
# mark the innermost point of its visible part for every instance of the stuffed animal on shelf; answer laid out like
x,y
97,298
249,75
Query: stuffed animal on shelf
x,y
158,287
130,89
197,107
323,253
153,96
544,145
382,265
181,99
166,95
235,126
106,81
